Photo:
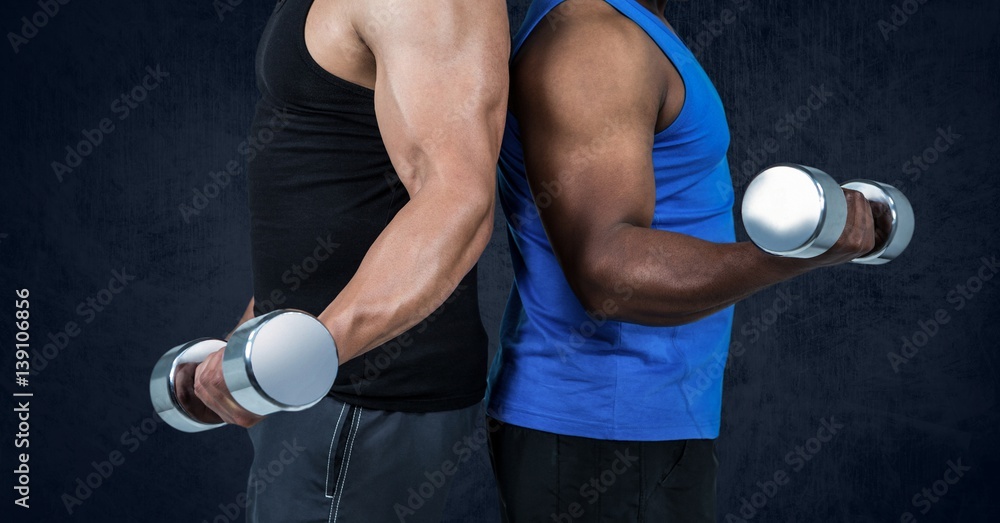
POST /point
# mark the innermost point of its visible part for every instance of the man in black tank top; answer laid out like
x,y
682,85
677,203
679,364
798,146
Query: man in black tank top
x,y
371,183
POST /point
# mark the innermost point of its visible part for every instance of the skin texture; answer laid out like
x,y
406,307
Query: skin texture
x,y
589,90
440,76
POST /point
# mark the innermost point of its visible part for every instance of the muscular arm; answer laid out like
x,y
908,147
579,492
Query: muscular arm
x,y
587,104
440,96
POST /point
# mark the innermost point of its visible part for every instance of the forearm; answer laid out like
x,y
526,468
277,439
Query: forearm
x,y
665,278
411,269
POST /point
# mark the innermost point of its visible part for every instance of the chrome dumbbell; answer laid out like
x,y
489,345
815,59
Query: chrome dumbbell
x,y
285,360
800,212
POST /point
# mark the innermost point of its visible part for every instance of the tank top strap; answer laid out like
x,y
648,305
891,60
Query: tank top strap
x,y
536,12
663,36
665,39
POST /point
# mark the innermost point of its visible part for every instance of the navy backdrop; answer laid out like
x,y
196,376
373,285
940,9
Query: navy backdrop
x,y
135,243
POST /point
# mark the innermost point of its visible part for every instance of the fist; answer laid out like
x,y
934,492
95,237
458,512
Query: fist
x,y
862,232
184,392
210,388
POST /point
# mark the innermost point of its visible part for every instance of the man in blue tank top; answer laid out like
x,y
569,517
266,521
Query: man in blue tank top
x,y
617,192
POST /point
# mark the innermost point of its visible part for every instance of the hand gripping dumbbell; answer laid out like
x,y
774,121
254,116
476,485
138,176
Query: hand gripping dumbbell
x,y
285,360
800,212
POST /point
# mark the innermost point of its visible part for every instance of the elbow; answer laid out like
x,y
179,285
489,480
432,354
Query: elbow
x,y
600,289
475,215
483,222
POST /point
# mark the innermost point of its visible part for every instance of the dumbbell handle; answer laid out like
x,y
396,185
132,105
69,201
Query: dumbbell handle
x,y
889,205
163,384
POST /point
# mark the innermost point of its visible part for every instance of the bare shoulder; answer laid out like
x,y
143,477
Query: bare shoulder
x,y
455,24
585,51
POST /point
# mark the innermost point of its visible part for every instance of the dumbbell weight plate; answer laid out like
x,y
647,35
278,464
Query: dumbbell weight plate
x,y
898,210
284,360
794,211
162,384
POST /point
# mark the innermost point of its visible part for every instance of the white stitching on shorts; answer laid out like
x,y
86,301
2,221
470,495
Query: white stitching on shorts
x,y
339,486
342,479
329,455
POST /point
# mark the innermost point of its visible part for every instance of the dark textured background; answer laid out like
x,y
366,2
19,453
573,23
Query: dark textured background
x,y
824,357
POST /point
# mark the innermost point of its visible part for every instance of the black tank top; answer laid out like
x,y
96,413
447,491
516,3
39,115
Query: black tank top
x,y
321,190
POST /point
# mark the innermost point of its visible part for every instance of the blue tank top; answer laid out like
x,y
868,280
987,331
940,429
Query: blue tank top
x,y
561,370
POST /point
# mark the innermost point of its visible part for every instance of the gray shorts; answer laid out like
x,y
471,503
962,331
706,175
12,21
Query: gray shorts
x,y
347,464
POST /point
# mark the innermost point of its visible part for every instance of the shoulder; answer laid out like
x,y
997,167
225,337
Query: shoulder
x,y
586,31
586,51
454,23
